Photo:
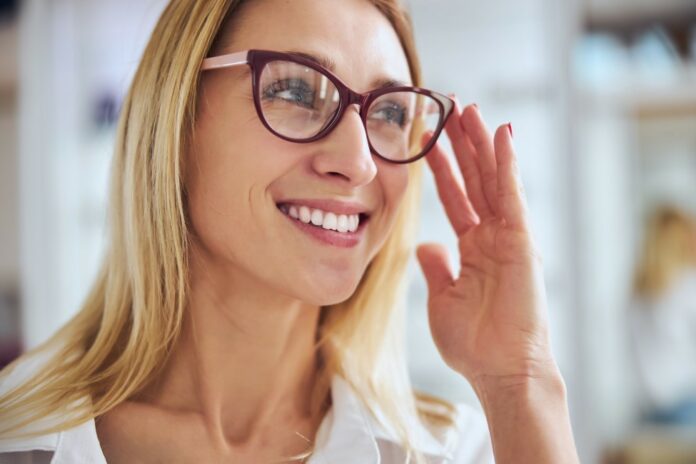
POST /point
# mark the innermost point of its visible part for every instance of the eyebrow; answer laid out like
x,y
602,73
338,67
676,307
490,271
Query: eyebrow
x,y
330,64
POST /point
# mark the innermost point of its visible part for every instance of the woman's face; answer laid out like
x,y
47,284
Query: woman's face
x,y
240,176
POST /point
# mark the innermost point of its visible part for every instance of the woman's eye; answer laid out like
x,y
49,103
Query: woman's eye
x,y
295,91
392,113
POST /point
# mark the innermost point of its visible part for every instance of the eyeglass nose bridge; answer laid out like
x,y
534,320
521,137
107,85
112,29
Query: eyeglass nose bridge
x,y
355,97
349,97
352,97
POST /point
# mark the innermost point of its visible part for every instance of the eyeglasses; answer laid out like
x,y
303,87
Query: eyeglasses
x,y
301,101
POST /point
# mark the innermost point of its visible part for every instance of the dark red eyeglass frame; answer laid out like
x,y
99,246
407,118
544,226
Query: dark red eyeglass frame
x,y
257,59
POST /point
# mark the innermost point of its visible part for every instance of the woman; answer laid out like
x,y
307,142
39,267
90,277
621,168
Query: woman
x,y
662,318
225,327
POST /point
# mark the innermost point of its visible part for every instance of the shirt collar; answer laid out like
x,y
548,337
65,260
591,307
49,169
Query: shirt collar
x,y
79,445
350,433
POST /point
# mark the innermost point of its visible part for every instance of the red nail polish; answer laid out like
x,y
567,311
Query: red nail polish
x,y
509,126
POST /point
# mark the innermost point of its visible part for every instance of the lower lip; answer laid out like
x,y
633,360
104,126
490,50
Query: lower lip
x,y
329,237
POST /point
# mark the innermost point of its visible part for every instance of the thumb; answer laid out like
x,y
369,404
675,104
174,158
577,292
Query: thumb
x,y
433,260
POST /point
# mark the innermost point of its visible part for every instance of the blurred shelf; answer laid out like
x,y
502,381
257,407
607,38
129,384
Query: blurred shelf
x,y
628,18
663,445
631,14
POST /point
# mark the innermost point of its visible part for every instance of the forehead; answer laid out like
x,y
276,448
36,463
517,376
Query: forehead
x,y
353,35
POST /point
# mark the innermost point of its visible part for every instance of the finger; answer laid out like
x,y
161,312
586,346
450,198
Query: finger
x,y
474,126
467,159
511,198
433,260
452,194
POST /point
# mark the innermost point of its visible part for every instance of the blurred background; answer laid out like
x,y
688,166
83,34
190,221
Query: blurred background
x,y
602,96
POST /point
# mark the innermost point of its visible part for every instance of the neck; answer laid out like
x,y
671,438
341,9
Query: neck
x,y
245,361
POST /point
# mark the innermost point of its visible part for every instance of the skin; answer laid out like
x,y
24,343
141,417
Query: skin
x,y
250,310
490,321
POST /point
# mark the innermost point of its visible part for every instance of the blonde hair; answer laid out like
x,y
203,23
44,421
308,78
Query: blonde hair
x,y
669,247
114,346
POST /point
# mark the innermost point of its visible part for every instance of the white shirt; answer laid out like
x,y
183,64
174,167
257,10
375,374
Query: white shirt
x,y
348,434
663,336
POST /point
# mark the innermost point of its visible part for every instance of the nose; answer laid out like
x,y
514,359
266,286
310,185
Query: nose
x,y
345,152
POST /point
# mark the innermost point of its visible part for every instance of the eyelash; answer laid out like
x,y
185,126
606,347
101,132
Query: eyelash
x,y
282,85
402,113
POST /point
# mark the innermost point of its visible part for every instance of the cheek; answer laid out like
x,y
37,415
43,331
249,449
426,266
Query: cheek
x,y
394,180
230,154
212,201
224,180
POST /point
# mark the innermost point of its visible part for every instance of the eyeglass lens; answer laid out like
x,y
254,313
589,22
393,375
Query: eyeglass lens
x,y
298,102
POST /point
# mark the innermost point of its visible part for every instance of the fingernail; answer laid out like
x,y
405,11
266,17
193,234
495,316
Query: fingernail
x,y
475,105
425,138
509,126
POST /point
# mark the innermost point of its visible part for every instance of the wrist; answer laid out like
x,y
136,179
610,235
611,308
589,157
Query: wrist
x,y
547,384
528,418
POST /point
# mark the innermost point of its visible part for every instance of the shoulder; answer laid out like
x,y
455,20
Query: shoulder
x,y
468,440
13,377
444,432
75,445
472,443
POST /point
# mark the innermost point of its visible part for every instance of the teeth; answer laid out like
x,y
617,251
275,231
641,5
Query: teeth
x,y
305,214
330,221
342,225
326,220
317,217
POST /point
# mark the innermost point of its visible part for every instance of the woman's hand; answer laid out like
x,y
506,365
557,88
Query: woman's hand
x,y
489,322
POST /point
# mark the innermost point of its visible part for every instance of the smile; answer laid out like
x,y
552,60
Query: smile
x,y
344,223
342,230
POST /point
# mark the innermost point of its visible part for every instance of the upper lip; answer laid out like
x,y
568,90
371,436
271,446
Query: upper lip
x,y
328,205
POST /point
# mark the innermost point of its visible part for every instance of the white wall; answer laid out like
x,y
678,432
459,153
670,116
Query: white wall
x,y
71,52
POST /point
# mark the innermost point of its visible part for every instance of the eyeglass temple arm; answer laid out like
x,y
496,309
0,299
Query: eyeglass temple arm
x,y
225,61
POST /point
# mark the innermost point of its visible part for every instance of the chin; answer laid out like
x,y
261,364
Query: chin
x,y
327,293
